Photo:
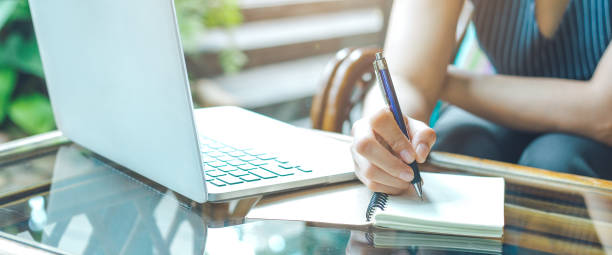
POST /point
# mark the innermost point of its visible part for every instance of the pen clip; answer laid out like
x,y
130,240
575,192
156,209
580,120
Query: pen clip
x,y
380,82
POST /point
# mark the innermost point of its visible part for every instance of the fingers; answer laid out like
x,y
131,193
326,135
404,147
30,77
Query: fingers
x,y
368,147
374,173
423,138
382,152
379,187
383,124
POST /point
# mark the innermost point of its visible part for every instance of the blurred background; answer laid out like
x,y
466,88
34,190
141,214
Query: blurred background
x,y
263,55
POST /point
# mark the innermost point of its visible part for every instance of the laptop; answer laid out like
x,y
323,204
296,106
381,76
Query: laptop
x,y
116,77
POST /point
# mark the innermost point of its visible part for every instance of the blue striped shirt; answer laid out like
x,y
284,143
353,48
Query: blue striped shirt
x,y
508,33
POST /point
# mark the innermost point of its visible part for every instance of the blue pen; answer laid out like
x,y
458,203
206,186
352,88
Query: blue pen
x,y
386,85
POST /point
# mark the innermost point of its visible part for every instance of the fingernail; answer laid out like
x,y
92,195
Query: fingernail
x,y
406,176
407,156
422,150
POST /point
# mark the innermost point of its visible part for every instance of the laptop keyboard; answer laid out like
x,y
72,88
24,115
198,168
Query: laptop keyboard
x,y
227,165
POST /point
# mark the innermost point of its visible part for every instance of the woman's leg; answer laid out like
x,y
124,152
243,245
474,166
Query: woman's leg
x,y
461,132
569,154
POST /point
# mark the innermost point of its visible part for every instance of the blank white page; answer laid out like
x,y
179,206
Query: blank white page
x,y
454,204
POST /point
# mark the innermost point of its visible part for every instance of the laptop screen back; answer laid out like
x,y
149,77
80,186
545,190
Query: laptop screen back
x,y
116,77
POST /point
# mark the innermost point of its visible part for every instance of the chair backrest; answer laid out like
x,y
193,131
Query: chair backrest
x,y
346,80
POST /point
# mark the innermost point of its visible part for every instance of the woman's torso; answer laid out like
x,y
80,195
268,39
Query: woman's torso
x,y
508,33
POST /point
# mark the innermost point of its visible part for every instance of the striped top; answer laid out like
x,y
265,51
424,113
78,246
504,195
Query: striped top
x,y
508,33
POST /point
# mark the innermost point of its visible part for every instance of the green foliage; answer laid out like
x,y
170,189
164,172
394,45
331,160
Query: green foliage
x,y
189,15
6,11
8,78
222,13
194,16
22,89
21,54
232,60
32,112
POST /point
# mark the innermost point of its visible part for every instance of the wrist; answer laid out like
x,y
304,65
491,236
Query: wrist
x,y
456,85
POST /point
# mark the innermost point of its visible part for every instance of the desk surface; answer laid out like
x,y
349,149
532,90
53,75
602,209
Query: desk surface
x,y
72,201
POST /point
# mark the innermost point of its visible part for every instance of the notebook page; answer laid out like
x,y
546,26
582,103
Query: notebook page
x,y
341,204
451,202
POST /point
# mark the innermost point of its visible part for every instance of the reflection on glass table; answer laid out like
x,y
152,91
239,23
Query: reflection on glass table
x,y
94,208
91,207
79,203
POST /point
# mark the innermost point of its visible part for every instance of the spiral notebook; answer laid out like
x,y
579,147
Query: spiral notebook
x,y
455,205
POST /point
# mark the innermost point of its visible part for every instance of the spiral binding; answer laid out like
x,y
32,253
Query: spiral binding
x,y
378,201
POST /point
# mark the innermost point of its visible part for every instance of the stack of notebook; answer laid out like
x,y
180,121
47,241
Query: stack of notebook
x,y
458,211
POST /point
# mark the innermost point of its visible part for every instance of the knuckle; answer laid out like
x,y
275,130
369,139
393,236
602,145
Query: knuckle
x,y
374,186
370,172
429,133
363,146
394,192
398,168
398,144
380,117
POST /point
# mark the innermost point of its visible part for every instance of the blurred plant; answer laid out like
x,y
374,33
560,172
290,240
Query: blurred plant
x,y
22,91
194,16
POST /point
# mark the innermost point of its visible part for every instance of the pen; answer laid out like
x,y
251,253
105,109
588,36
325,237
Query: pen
x,y
386,85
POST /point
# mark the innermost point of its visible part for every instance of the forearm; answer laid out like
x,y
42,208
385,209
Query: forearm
x,y
419,43
527,103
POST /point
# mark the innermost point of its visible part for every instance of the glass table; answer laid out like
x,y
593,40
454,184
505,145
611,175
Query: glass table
x,y
61,198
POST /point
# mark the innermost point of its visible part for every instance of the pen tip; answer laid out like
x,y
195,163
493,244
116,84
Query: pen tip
x,y
419,190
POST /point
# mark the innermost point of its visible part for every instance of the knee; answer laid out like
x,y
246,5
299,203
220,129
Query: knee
x,y
556,152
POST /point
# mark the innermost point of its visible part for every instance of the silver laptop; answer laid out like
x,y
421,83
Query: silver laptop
x,y
118,85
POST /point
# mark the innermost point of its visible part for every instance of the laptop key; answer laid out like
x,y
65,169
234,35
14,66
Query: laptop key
x,y
247,158
265,157
225,158
216,164
252,152
262,173
235,162
230,179
282,161
215,182
258,162
236,153
238,173
216,145
227,149
215,173
228,168
304,169
279,170
250,178
206,159
246,167
215,154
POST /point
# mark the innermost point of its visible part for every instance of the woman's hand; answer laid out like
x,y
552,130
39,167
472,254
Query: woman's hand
x,y
382,152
